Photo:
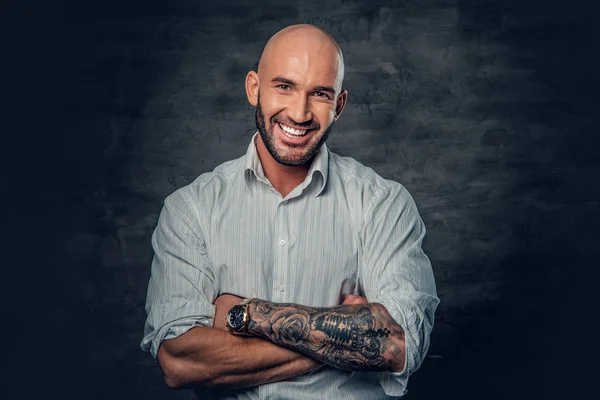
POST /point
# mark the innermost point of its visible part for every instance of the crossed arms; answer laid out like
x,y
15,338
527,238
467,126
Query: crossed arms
x,y
290,339
355,335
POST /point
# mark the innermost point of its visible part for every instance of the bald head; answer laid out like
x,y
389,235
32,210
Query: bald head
x,y
298,94
308,45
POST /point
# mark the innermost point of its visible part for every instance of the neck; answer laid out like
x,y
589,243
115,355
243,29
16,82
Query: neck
x,y
284,178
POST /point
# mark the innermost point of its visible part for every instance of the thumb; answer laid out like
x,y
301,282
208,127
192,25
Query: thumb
x,y
355,299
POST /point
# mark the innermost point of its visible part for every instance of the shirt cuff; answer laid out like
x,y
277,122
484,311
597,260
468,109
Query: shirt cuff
x,y
170,320
395,383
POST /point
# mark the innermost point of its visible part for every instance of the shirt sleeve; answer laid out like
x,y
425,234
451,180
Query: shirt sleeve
x,y
181,287
398,274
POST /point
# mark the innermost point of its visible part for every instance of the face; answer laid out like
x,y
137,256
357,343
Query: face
x,y
298,98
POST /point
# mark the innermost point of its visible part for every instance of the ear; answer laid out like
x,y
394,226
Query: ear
x,y
252,86
340,102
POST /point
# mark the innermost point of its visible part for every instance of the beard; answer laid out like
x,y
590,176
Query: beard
x,y
269,141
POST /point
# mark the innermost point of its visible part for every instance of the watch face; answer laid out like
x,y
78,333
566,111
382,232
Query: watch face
x,y
236,317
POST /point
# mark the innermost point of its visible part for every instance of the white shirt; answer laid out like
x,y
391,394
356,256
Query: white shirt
x,y
344,228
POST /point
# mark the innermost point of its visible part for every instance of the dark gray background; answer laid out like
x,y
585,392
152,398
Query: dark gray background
x,y
485,110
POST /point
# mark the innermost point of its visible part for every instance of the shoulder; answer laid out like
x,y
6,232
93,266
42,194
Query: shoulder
x,y
207,189
363,180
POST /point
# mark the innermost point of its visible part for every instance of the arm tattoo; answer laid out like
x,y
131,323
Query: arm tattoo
x,y
351,337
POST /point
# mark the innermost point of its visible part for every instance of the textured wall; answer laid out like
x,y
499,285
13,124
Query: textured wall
x,y
484,110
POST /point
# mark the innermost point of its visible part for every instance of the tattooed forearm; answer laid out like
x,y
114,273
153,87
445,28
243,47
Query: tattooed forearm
x,y
351,337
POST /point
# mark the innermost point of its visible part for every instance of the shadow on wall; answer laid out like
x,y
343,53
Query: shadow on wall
x,y
535,67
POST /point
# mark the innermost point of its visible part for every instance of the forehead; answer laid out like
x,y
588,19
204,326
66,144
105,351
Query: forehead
x,y
307,63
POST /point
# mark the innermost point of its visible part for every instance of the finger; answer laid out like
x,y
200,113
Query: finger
x,y
355,299
348,286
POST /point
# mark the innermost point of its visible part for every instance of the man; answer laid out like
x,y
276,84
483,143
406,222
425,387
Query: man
x,y
291,272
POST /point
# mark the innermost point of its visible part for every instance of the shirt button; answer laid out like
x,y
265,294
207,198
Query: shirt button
x,y
281,288
282,242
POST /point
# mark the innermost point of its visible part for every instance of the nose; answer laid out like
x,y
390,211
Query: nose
x,y
299,110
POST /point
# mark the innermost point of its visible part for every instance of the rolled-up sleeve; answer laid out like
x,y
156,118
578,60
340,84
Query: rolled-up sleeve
x,y
181,287
398,274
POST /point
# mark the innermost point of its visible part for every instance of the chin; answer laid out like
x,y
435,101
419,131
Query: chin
x,y
295,155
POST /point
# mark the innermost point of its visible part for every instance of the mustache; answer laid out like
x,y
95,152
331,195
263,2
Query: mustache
x,y
309,125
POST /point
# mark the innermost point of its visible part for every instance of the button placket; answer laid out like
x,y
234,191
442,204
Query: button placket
x,y
282,252
277,256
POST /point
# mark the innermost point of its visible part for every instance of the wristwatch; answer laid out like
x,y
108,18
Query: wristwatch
x,y
238,318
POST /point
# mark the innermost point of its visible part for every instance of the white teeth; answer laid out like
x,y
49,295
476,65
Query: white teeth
x,y
292,131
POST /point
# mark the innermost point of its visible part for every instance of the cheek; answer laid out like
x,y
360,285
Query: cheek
x,y
325,114
271,106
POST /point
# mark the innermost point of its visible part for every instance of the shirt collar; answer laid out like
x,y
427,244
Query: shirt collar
x,y
253,168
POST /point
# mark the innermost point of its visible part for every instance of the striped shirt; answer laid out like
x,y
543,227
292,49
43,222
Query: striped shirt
x,y
343,229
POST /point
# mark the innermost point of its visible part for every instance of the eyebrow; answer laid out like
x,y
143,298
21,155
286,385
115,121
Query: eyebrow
x,y
290,82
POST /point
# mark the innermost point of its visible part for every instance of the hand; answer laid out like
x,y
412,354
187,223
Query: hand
x,y
354,299
223,303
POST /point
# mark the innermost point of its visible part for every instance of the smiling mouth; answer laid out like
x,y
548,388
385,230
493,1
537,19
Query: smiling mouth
x,y
291,132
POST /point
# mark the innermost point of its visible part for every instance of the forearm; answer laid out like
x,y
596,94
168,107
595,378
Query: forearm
x,y
352,337
211,358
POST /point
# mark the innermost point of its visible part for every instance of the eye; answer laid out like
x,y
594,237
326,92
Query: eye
x,y
283,87
322,95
